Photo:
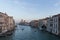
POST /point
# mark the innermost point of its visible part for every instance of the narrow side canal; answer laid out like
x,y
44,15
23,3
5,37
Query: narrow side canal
x,y
28,33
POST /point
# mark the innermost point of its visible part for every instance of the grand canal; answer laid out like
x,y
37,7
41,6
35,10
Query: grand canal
x,y
28,33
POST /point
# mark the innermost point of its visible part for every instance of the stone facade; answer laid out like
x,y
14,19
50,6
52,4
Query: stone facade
x,y
53,24
42,23
6,22
34,23
56,24
49,24
11,23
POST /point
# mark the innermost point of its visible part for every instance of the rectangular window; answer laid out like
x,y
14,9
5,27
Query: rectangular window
x,y
1,22
56,20
51,24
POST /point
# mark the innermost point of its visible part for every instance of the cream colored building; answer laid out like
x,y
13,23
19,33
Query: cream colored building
x,y
6,22
3,21
11,23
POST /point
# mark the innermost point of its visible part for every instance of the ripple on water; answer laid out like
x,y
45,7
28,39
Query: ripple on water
x,y
29,34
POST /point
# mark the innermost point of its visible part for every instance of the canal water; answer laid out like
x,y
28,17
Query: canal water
x,y
28,33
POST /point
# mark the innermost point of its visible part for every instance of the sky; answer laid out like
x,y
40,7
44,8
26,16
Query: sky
x,y
30,9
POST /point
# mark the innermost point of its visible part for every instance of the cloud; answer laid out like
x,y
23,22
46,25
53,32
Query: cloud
x,y
16,1
57,4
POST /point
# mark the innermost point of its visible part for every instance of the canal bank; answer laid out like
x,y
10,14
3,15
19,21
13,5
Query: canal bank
x,y
29,34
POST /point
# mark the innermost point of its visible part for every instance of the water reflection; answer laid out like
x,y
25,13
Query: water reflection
x,y
29,34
